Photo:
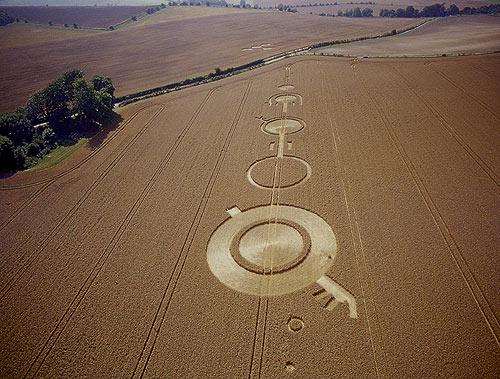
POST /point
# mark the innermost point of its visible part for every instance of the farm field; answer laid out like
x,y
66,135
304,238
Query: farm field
x,y
165,52
451,35
17,35
317,217
97,17
384,4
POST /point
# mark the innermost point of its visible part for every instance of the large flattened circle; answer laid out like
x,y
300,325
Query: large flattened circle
x,y
289,125
322,251
294,171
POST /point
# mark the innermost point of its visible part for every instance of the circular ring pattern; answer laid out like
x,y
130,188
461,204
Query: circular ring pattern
x,y
285,183
320,257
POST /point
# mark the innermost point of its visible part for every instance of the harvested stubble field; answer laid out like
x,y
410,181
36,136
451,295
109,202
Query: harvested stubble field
x,y
451,35
95,17
148,56
382,176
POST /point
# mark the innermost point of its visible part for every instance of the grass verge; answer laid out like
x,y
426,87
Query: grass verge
x,y
57,155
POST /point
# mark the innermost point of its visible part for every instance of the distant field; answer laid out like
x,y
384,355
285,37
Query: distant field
x,y
152,55
378,4
96,17
451,35
21,34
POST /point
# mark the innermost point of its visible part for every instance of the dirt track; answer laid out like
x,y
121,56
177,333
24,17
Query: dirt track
x,y
112,279
151,55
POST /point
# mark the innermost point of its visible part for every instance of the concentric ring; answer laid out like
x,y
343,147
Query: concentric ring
x,y
293,276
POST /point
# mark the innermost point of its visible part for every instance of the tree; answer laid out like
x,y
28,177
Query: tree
x,y
75,26
467,10
367,12
400,12
85,101
280,7
103,83
50,23
340,13
134,18
435,10
453,10
15,126
356,12
410,11
35,111
93,101
56,106
7,154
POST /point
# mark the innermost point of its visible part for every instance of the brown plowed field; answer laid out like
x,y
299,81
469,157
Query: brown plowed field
x,y
97,17
451,35
114,263
147,56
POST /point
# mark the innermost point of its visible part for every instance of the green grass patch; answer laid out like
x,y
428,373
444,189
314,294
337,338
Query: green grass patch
x,y
57,155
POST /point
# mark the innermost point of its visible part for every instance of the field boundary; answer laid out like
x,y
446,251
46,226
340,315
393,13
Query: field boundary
x,y
121,101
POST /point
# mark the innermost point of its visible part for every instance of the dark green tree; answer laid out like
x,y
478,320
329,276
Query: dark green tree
x,y
15,126
56,103
85,102
410,11
367,12
35,111
453,10
7,154
103,83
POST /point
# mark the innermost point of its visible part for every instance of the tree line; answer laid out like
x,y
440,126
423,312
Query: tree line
x,y
438,10
59,114
434,10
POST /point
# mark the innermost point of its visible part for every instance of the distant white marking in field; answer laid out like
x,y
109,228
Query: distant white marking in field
x,y
264,46
271,145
